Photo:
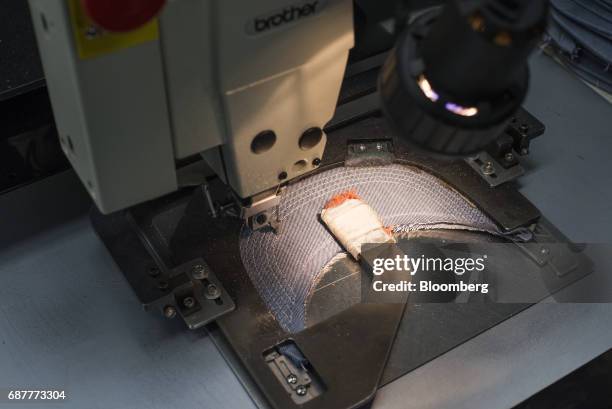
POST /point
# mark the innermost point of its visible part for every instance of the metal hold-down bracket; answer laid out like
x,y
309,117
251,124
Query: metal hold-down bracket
x,y
195,294
500,161
369,153
262,212
294,373
494,172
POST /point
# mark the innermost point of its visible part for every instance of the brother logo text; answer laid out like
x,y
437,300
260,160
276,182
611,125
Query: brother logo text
x,y
287,15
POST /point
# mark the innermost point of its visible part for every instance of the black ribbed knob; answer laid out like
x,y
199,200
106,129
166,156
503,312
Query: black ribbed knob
x,y
433,99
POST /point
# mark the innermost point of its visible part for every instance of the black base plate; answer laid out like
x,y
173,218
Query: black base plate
x,y
349,351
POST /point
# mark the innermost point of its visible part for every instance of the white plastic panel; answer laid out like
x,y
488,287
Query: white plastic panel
x,y
286,79
110,112
193,95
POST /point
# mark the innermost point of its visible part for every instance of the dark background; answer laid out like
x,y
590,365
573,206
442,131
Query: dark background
x,y
20,68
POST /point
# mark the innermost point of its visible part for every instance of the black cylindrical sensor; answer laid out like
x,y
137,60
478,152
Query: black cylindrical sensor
x,y
459,73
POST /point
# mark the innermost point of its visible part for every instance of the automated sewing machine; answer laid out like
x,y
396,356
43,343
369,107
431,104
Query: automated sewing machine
x,y
188,121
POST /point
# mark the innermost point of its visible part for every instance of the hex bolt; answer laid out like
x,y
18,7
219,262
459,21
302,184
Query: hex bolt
x,y
544,251
292,379
212,292
162,285
379,146
169,311
488,168
301,390
198,272
188,302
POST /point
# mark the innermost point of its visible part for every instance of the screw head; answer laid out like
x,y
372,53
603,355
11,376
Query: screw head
x,y
199,272
212,292
301,390
169,311
261,218
188,302
488,168
292,379
362,148
91,32
509,157
316,162
282,176
544,251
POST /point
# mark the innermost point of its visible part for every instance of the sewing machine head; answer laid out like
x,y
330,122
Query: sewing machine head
x,y
249,86
138,87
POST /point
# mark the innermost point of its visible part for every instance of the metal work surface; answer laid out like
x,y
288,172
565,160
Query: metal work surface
x,y
68,319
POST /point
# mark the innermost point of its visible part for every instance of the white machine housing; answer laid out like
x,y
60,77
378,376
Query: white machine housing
x,y
220,73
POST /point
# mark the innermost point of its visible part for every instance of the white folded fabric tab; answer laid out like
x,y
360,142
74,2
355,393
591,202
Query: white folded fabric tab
x,y
354,223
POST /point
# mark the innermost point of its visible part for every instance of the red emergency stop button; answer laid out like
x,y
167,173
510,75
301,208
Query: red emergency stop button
x,y
122,15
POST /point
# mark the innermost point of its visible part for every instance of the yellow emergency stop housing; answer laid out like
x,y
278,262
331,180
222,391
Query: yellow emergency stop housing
x,y
92,41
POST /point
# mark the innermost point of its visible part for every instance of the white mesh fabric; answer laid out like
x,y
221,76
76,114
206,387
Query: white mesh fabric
x,y
284,266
